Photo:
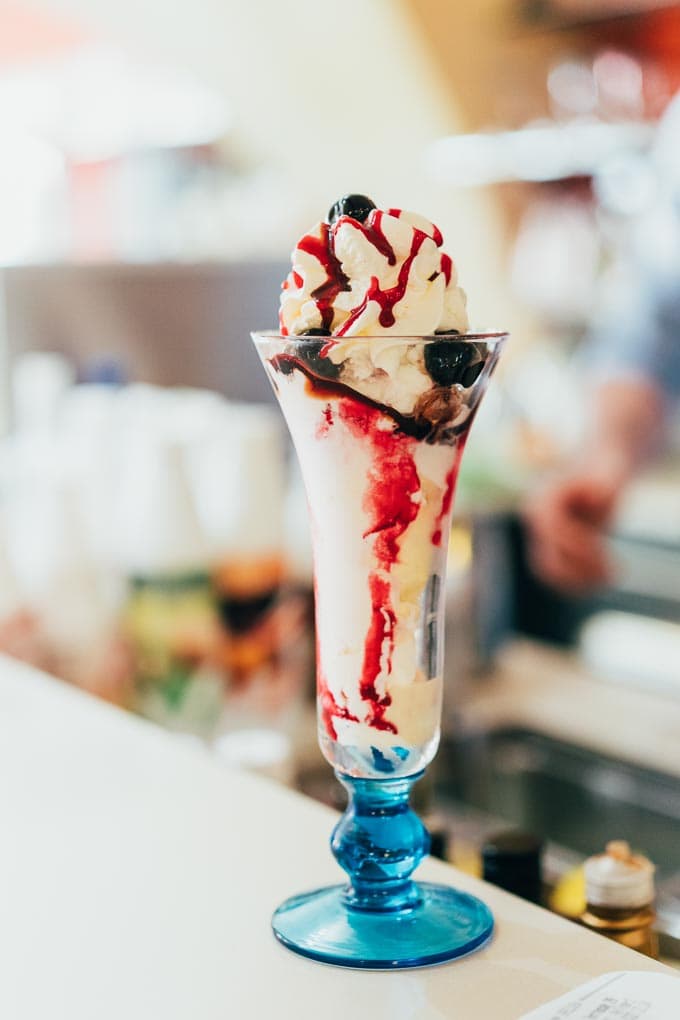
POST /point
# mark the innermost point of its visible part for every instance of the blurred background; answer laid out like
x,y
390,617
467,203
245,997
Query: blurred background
x,y
157,162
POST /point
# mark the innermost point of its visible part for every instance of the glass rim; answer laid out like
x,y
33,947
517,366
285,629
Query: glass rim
x,y
495,336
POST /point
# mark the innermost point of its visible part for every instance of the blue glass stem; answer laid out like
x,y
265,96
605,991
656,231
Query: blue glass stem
x,y
379,842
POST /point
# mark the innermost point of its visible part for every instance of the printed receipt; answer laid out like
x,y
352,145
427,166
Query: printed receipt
x,y
623,995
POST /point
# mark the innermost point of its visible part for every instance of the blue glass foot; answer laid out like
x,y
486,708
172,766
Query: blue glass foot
x,y
382,919
445,924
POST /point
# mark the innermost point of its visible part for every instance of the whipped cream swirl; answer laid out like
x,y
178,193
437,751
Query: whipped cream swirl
x,y
385,275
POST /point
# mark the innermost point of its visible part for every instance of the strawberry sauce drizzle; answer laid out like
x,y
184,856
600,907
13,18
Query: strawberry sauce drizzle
x,y
380,633
373,232
436,234
329,708
324,295
387,299
388,501
326,422
446,267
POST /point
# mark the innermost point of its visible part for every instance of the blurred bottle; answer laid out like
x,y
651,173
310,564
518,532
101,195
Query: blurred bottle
x,y
249,567
169,618
512,861
78,618
73,618
87,435
240,483
620,898
67,621
40,381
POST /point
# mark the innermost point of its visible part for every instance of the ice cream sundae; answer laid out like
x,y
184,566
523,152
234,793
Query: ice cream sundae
x,y
379,387
379,379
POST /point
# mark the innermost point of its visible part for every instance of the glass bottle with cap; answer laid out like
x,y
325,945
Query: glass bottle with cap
x,y
512,861
620,898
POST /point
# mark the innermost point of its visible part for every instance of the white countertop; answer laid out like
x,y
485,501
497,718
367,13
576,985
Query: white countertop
x,y
137,879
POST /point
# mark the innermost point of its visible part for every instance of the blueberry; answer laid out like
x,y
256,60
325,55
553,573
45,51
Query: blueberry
x,y
319,331
447,332
356,206
449,363
309,351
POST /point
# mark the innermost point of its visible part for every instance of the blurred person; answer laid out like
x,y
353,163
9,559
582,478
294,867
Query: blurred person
x,y
634,354
568,518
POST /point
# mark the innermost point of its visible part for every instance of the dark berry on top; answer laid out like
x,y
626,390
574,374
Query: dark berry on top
x,y
447,332
356,206
449,363
309,351
316,331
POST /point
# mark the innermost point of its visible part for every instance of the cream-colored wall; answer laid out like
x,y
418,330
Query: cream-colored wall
x,y
341,95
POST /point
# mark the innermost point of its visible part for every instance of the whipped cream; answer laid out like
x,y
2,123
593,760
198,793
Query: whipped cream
x,y
386,275
366,283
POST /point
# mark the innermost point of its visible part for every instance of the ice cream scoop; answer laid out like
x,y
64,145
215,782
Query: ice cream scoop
x,y
368,272
360,282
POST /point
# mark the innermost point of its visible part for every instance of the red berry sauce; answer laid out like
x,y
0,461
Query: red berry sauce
x,y
328,706
392,484
387,299
325,423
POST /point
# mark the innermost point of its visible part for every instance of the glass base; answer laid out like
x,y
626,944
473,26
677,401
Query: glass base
x,y
443,925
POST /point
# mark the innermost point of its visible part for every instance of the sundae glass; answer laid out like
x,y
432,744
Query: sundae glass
x,y
379,415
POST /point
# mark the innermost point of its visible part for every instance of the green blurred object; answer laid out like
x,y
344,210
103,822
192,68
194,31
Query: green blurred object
x,y
172,625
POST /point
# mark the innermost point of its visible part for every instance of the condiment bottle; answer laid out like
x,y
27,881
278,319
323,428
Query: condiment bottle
x,y
170,620
512,861
620,898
